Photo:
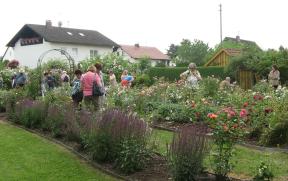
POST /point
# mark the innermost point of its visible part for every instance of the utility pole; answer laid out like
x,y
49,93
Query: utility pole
x,y
220,23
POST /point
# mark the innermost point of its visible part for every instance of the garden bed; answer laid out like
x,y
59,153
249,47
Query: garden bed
x,y
156,169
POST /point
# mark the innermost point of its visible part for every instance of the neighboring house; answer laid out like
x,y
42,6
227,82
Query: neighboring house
x,y
137,52
9,54
33,40
231,47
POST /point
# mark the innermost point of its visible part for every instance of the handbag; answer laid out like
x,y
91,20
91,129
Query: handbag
x,y
96,89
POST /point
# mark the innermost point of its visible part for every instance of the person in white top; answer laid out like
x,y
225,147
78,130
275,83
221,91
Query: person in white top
x,y
192,76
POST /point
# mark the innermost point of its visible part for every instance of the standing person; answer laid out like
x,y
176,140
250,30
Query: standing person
x,y
51,81
112,79
100,73
87,86
20,79
274,77
44,84
124,74
192,76
65,79
77,93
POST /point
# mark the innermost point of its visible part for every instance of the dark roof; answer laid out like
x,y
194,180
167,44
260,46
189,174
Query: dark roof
x,y
65,35
240,40
138,52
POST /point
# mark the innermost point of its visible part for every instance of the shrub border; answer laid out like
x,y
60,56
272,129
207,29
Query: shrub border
x,y
69,148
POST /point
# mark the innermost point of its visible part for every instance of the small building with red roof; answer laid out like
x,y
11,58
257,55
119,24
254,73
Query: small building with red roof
x,y
136,52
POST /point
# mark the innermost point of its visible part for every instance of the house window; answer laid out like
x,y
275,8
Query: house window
x,y
75,51
93,53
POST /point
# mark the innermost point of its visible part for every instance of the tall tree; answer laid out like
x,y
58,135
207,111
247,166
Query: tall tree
x,y
172,51
195,51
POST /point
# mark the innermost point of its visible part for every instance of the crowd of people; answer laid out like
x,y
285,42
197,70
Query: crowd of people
x,y
85,84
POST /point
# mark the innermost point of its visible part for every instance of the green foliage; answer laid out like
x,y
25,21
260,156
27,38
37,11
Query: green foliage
x,y
174,112
187,152
172,51
30,113
84,64
209,86
173,74
160,64
144,64
227,128
143,80
133,155
54,122
3,94
33,87
56,64
195,51
120,138
264,173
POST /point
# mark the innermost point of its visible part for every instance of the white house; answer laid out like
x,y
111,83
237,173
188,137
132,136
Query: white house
x,y
34,40
136,52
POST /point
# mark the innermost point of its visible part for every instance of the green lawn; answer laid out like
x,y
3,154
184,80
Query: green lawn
x,y
25,156
246,160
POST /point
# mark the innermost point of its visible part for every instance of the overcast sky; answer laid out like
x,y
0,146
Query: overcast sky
x,y
155,22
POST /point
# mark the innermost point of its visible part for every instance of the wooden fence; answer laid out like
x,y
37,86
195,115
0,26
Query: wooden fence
x,y
246,79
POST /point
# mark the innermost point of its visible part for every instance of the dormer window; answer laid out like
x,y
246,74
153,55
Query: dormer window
x,y
69,33
81,34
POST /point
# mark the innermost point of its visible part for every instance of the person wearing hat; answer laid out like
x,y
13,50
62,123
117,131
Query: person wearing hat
x,y
191,75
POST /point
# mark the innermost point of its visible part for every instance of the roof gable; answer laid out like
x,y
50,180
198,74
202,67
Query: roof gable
x,y
138,52
65,35
228,51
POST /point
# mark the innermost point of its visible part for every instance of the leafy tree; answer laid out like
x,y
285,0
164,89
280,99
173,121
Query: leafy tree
x,y
195,51
144,64
172,51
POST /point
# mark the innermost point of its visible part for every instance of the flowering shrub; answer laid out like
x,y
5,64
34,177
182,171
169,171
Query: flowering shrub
x,y
228,128
187,152
121,138
30,113
13,64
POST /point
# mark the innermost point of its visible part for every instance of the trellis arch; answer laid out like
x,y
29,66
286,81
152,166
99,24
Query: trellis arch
x,y
67,55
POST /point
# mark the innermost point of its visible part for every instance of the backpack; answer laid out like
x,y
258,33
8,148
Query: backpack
x,y
66,78
76,87
20,79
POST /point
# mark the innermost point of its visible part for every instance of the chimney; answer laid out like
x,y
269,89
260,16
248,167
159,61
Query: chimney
x,y
48,23
238,38
137,45
60,24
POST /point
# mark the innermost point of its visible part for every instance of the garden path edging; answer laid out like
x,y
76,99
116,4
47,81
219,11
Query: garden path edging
x,y
78,154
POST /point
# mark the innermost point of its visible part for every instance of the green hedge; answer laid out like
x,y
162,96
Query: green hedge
x,y
173,73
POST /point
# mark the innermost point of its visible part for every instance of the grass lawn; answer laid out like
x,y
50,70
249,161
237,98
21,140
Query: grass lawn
x,y
25,156
246,160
